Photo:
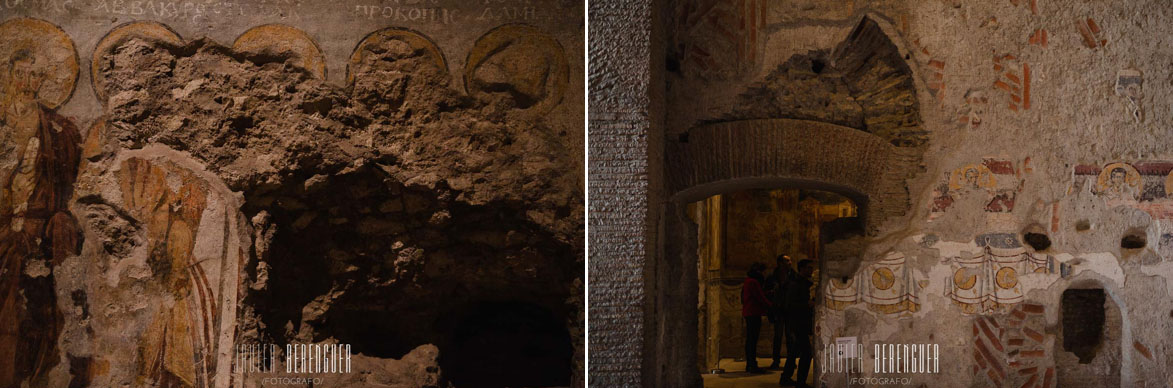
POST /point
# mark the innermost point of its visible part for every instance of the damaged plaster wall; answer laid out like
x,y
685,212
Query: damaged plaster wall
x,y
218,174
1030,119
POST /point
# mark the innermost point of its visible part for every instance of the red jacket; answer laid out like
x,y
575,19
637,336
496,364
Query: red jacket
x,y
753,300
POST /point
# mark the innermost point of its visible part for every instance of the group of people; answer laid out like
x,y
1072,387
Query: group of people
x,y
785,299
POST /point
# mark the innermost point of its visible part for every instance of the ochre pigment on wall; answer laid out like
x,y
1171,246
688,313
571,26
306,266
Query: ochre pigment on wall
x,y
257,174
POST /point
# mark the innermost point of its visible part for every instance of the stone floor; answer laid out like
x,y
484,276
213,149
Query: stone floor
x,y
735,376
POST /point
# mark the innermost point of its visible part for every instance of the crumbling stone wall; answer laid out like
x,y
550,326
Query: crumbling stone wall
x,y
375,185
1030,117
995,164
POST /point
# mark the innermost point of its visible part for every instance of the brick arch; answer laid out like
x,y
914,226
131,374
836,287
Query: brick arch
x,y
863,139
863,83
793,153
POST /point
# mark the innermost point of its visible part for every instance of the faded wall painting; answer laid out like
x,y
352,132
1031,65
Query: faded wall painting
x,y
230,155
993,185
889,286
988,282
1130,86
281,40
520,62
759,226
166,231
101,66
762,224
172,218
1143,185
40,160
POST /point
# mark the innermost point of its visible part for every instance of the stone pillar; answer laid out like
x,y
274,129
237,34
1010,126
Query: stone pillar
x,y
675,309
625,164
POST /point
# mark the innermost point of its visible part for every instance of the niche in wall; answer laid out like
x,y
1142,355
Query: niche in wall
x,y
1083,322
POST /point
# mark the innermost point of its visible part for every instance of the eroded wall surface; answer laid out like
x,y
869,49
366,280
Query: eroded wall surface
x,y
1023,119
182,177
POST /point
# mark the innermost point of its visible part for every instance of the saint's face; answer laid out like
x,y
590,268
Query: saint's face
x,y
971,177
24,78
1117,178
1129,86
977,106
1133,90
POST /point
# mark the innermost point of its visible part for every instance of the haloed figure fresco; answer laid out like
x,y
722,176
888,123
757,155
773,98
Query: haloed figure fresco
x,y
229,195
39,166
185,331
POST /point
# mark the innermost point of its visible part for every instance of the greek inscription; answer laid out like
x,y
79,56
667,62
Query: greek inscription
x,y
191,10
48,6
408,14
508,13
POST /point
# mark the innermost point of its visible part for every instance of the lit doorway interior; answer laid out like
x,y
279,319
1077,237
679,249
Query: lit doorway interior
x,y
739,228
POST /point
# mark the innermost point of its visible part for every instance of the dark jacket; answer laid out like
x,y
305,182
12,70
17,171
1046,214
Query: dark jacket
x,y
799,314
776,292
753,299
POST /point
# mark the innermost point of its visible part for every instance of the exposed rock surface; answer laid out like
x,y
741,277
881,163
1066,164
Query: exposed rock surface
x,y
258,122
1012,121
381,213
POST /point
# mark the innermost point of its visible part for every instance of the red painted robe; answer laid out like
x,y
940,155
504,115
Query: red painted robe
x,y
30,325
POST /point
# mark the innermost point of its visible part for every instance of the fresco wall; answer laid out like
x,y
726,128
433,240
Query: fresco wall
x,y
162,162
1043,128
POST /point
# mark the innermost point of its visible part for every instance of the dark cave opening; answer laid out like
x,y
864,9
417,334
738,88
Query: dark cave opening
x,y
508,344
1083,322
1133,241
1038,241
364,260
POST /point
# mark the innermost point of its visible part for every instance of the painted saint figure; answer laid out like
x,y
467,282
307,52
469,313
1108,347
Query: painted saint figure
x,y
37,231
1118,181
176,349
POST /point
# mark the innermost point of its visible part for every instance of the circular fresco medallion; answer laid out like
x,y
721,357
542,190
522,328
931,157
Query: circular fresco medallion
x,y
380,41
840,284
883,279
963,279
521,62
1119,181
145,30
39,58
1006,278
279,39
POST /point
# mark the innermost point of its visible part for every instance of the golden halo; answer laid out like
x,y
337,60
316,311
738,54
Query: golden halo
x,y
883,279
53,54
839,284
985,178
92,146
280,39
963,279
517,45
1169,185
1006,278
146,30
413,39
1131,176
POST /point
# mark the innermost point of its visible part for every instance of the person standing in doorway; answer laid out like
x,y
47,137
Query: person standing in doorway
x,y
799,324
776,291
754,304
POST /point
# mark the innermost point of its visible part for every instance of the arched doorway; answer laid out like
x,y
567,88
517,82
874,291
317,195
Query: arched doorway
x,y
866,152
868,157
1091,332
757,154
737,230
